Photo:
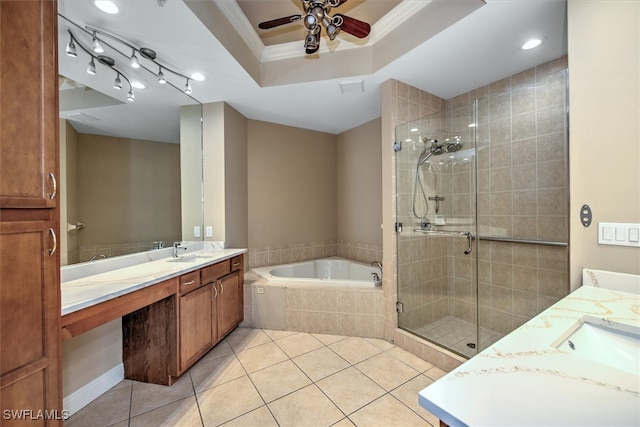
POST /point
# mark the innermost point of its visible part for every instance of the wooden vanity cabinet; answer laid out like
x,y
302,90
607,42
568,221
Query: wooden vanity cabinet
x,y
30,360
209,309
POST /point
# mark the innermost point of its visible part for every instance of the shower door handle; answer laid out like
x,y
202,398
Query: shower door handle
x,y
469,246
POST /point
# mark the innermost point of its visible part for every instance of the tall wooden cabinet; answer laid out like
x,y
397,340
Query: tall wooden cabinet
x,y
29,214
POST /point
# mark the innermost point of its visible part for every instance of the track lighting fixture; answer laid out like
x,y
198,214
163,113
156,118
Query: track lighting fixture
x,y
134,61
95,43
107,61
146,58
91,68
71,48
161,78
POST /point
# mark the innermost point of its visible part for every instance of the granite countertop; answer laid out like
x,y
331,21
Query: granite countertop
x,y
87,291
525,379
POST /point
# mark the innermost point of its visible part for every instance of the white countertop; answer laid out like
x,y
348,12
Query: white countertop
x,y
87,291
522,380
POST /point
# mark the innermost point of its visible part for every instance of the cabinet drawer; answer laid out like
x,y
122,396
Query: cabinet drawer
x,y
214,272
236,263
190,282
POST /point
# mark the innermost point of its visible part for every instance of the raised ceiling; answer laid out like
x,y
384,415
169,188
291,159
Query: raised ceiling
x,y
445,47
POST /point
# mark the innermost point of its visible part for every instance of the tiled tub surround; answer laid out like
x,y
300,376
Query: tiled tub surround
x,y
326,309
285,254
533,382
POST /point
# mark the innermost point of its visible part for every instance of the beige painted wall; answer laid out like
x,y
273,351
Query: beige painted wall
x,y
292,185
236,180
128,192
69,248
604,94
359,181
191,170
225,174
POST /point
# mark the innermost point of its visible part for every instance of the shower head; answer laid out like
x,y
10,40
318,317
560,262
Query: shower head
x,y
447,146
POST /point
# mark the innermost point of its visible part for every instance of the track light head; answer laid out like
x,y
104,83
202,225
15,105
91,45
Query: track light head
x,y
91,68
134,61
117,84
161,78
96,45
187,88
71,49
131,96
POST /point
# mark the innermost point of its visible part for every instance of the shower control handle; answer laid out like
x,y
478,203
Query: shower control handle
x,y
469,238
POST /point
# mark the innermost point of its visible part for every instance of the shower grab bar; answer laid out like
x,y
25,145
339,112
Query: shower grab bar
x,y
524,241
467,234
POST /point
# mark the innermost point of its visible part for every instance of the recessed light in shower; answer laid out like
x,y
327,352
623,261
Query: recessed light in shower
x,y
413,130
408,140
107,7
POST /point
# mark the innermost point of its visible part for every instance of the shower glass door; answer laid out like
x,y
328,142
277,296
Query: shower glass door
x,y
436,207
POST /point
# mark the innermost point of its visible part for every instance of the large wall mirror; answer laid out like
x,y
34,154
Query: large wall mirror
x,y
123,189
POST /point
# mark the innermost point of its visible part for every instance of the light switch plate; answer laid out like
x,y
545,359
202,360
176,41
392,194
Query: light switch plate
x,y
619,234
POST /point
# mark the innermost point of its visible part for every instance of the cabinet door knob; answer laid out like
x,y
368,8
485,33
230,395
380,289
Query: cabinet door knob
x,y
52,177
55,242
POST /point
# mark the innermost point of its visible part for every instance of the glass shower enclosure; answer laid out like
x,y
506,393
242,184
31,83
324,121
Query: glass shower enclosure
x,y
436,228
482,210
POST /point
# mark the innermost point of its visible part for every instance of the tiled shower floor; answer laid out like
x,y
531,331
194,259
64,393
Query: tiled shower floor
x,y
456,334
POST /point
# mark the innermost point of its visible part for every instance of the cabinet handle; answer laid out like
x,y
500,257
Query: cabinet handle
x,y
221,287
236,264
190,282
55,242
55,185
215,290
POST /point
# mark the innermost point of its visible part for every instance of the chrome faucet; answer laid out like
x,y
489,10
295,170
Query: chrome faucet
x,y
176,246
377,279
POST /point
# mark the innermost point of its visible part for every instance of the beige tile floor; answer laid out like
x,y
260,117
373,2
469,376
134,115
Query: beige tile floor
x,y
258,377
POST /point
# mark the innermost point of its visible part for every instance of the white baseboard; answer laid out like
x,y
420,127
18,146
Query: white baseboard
x,y
87,393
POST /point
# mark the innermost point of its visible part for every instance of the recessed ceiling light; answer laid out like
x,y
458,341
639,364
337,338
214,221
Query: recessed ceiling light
x,y
532,43
414,129
408,140
138,85
197,77
106,6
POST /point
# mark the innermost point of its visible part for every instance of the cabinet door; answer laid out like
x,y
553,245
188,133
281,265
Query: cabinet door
x,y
28,103
229,303
29,317
196,324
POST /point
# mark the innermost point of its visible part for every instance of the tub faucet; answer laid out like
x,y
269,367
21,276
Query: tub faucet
x,y
377,279
176,246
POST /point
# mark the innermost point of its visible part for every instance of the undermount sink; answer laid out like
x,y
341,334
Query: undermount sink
x,y
190,258
603,341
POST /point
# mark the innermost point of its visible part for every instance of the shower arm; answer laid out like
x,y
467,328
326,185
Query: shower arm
x,y
467,234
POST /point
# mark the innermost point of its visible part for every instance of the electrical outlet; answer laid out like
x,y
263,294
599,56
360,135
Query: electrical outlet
x,y
196,231
209,231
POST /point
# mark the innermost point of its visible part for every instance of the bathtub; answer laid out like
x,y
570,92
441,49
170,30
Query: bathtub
x,y
321,272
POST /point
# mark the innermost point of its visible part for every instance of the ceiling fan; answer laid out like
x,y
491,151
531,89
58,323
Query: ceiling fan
x,y
317,16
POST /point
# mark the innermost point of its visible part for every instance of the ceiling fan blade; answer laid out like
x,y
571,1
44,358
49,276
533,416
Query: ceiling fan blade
x,y
354,26
277,22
